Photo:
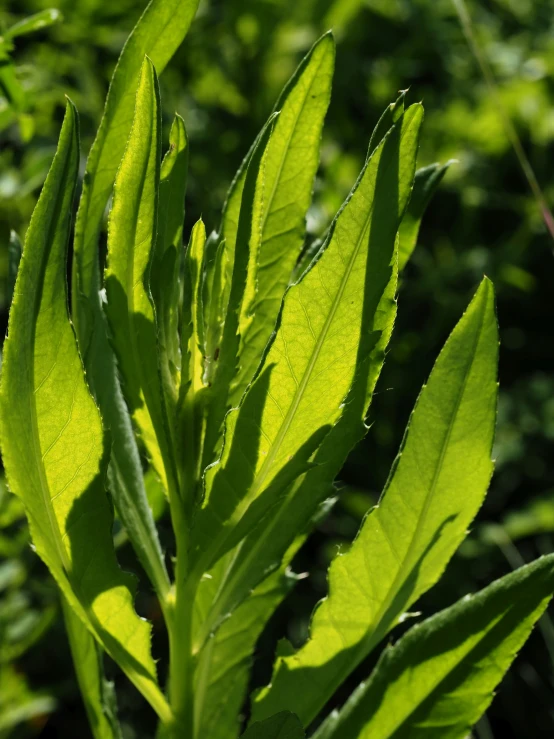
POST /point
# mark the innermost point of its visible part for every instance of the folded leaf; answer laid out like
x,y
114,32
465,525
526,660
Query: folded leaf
x,y
158,34
438,680
52,438
310,367
129,309
97,693
426,183
192,390
167,258
283,725
290,167
436,487
248,234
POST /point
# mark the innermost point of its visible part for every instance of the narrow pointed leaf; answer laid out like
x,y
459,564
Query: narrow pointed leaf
x,y
290,167
130,310
158,34
192,389
98,695
52,437
283,725
435,489
166,264
439,679
265,548
248,234
426,182
309,369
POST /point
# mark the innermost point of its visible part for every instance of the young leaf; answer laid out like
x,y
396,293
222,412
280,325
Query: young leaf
x,y
129,309
435,489
158,34
98,694
192,374
310,367
166,262
438,680
52,438
426,182
290,166
251,211
283,725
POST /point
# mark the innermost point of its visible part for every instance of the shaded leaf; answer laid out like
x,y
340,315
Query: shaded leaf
x,y
438,680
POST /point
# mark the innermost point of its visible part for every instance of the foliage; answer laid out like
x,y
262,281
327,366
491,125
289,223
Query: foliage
x,y
245,388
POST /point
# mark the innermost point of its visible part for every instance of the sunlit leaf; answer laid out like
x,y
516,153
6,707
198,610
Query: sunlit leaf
x,y
52,437
439,679
437,485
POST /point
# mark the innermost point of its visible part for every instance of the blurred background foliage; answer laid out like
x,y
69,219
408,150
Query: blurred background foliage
x,y
224,81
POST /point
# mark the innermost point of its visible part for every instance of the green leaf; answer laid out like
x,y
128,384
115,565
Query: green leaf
x,y
437,485
225,661
309,369
33,23
97,693
283,725
251,211
129,309
426,182
438,680
214,306
52,437
192,375
289,169
167,258
158,34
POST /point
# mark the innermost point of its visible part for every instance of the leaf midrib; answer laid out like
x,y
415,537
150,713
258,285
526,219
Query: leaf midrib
x,y
375,634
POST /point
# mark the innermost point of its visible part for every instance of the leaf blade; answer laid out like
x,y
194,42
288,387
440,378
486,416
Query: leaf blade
x,y
311,375
438,680
52,436
411,538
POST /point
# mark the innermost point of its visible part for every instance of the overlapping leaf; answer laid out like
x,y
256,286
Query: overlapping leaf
x,y
311,365
438,680
436,487
290,166
52,438
130,310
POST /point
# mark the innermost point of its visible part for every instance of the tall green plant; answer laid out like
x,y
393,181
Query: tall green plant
x,y
246,389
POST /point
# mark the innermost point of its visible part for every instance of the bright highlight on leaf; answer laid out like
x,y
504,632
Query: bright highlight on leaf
x,y
436,487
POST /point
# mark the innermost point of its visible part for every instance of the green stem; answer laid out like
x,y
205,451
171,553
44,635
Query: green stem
x,y
181,659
